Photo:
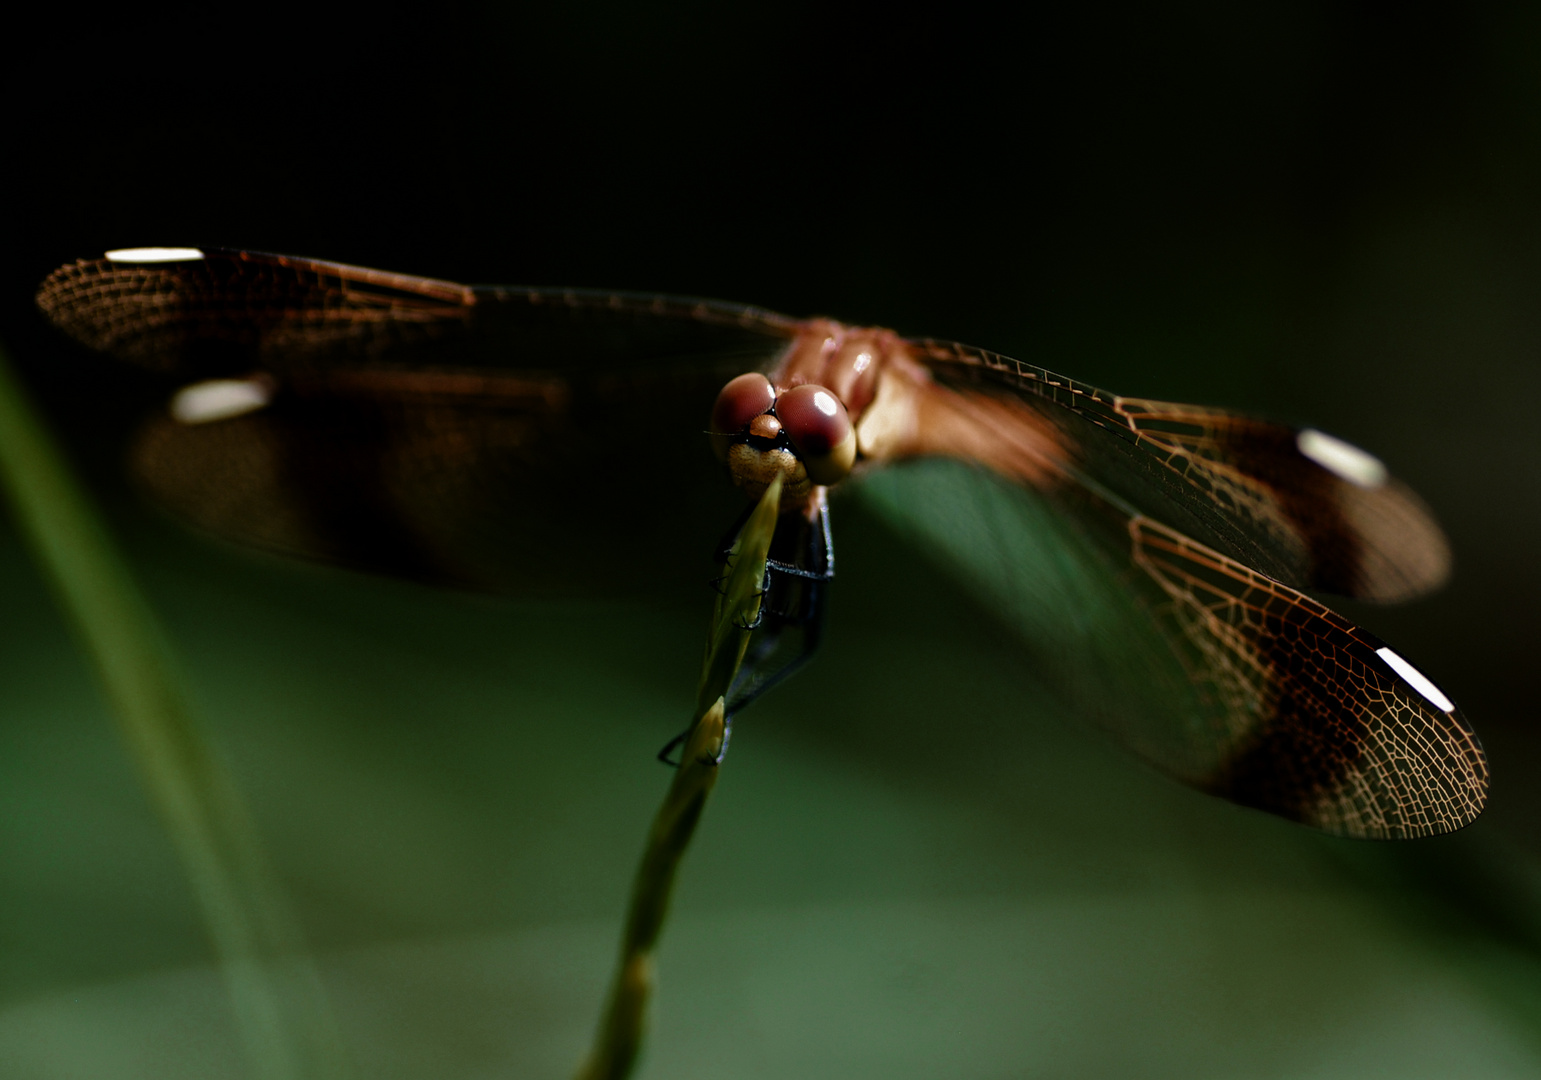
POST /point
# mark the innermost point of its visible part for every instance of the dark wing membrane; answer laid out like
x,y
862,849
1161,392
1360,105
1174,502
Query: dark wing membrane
x,y
497,482
1302,507
226,312
1218,675
486,436
223,310
1304,714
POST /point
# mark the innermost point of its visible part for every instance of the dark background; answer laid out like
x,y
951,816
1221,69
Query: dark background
x,y
1323,213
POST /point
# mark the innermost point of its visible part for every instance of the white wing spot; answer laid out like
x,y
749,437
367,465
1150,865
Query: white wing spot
x,y
1342,459
153,255
1416,679
219,399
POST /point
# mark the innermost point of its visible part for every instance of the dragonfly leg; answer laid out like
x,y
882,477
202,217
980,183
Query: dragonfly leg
x,y
727,735
785,645
759,612
792,609
790,622
722,752
668,748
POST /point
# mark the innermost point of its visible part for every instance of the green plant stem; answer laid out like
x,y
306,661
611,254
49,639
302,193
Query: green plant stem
x,y
624,1024
256,941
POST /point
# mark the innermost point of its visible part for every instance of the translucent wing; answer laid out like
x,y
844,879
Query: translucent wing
x,y
495,436
1304,508
218,311
422,428
1220,676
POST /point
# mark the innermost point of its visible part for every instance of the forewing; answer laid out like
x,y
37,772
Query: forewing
x,y
1304,508
1220,676
225,312
487,436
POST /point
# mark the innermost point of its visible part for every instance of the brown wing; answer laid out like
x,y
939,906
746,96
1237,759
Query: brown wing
x,y
1220,676
492,482
1302,507
220,311
423,428
1306,715
498,435
215,311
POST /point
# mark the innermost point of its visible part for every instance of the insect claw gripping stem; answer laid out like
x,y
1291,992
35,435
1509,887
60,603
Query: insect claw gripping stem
x,y
727,735
801,609
759,611
714,760
668,748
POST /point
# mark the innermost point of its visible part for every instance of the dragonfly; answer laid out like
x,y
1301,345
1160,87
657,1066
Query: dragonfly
x,y
509,438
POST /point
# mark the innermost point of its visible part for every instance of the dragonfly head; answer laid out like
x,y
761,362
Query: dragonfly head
x,y
801,433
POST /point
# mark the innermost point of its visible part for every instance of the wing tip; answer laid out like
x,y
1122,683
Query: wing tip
x,y
1403,552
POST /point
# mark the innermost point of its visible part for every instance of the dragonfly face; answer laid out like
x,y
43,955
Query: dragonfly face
x,y
429,429
802,434
801,421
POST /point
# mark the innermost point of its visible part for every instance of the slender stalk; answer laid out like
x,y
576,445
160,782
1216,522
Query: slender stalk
x,y
257,944
619,1039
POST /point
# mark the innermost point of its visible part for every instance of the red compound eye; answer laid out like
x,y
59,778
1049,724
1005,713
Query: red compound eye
x,y
820,430
740,402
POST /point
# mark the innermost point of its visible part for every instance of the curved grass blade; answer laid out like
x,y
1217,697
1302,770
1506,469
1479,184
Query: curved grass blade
x,y
621,1031
284,1022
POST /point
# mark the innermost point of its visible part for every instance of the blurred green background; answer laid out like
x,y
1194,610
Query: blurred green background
x,y
917,863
